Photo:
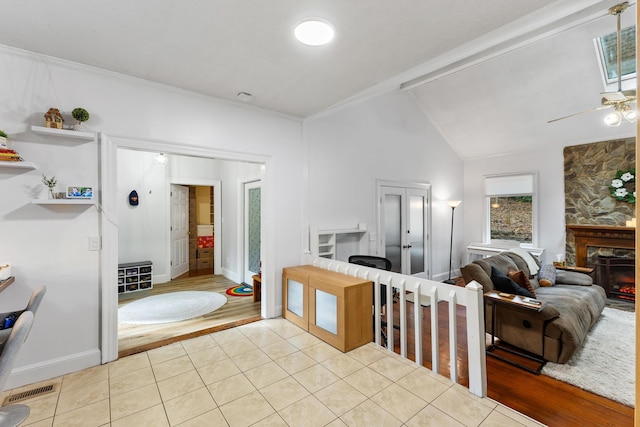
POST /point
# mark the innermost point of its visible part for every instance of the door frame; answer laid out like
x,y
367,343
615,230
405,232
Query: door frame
x,y
108,206
427,229
242,182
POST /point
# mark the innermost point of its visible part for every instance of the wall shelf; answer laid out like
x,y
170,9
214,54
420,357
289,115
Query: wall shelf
x,y
18,165
63,133
63,202
332,243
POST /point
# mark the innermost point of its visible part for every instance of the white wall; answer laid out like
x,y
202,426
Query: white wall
x,y
389,138
49,245
142,229
550,167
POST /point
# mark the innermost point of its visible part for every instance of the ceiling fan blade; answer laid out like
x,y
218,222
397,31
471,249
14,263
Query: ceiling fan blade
x,y
602,107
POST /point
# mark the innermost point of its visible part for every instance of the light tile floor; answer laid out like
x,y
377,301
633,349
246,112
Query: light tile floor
x,y
267,373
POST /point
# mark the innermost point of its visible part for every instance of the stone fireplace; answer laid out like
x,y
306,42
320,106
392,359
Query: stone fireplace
x,y
610,251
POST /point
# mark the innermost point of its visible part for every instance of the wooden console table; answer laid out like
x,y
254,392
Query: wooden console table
x,y
497,298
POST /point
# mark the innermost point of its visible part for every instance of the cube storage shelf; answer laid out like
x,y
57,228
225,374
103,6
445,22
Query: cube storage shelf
x,y
135,276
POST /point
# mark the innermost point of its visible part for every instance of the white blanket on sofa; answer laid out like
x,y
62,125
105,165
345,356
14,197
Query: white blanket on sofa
x,y
531,263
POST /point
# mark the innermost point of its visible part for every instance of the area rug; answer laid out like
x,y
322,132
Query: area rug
x,y
240,291
605,365
170,307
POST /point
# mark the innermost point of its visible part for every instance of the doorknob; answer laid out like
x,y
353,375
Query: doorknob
x,y
406,247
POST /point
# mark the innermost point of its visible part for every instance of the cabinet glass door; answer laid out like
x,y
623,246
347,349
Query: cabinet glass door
x,y
295,297
327,311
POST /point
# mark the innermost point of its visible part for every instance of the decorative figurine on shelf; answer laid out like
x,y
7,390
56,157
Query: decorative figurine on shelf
x,y
51,183
53,119
81,115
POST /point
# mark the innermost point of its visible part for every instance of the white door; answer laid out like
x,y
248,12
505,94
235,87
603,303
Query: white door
x,y
251,230
404,225
179,230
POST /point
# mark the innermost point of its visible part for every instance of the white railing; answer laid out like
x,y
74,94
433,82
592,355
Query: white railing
x,y
470,296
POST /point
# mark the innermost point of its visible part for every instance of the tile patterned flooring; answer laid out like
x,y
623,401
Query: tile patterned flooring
x,y
267,373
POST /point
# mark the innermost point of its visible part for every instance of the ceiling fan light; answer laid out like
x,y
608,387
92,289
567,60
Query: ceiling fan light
x,y
613,119
630,114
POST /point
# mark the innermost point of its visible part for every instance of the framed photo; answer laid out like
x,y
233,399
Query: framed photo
x,y
79,192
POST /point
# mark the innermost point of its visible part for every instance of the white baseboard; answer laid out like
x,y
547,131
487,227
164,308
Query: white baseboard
x,y
53,368
231,275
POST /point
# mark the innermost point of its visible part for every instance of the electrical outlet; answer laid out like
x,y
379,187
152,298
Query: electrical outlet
x,y
94,243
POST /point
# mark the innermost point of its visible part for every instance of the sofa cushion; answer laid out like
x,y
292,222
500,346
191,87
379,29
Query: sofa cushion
x,y
547,275
501,262
573,278
471,272
520,277
579,308
504,284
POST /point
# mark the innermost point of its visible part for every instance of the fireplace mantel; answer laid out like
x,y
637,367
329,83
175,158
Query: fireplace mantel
x,y
604,236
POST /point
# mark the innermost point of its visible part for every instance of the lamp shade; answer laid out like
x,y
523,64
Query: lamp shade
x,y
454,203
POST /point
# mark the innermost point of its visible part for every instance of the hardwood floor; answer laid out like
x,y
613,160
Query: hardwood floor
x,y
238,310
540,397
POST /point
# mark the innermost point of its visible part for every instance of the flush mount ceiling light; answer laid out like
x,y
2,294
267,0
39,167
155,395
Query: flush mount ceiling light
x,y
314,32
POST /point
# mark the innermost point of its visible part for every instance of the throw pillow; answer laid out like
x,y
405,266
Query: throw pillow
x,y
504,284
522,280
547,275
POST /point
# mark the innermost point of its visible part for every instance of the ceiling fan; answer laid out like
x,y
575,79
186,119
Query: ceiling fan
x,y
620,100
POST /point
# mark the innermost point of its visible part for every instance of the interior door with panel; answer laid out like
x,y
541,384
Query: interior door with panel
x,y
179,230
403,227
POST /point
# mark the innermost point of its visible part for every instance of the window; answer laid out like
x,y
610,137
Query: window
x,y
606,48
511,208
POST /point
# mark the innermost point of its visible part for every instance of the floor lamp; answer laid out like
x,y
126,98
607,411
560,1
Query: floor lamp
x,y
453,204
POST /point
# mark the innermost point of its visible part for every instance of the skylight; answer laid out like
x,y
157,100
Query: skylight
x,y
606,47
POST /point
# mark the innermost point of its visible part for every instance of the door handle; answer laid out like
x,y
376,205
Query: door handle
x,y
406,247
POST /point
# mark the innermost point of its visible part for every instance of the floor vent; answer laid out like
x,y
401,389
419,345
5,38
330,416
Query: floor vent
x,y
29,394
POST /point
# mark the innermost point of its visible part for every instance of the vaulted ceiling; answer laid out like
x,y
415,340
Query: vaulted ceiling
x,y
489,74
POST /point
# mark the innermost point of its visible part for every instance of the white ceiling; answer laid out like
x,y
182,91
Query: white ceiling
x,y
222,47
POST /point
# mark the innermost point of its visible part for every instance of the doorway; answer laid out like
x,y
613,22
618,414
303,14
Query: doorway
x,y
158,227
404,226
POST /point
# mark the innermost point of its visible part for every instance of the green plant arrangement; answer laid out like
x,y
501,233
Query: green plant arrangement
x,y
51,183
81,115
3,134
623,186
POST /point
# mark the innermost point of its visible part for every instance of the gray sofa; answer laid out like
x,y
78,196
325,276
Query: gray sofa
x,y
558,330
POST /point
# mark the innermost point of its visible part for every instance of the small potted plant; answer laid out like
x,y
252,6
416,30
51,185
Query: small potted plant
x,y
51,183
81,115
3,138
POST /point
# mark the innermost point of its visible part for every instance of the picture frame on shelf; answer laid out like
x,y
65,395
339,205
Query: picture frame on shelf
x,y
79,192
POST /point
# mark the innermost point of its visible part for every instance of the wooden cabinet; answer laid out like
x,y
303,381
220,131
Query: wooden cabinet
x,y
204,258
332,306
